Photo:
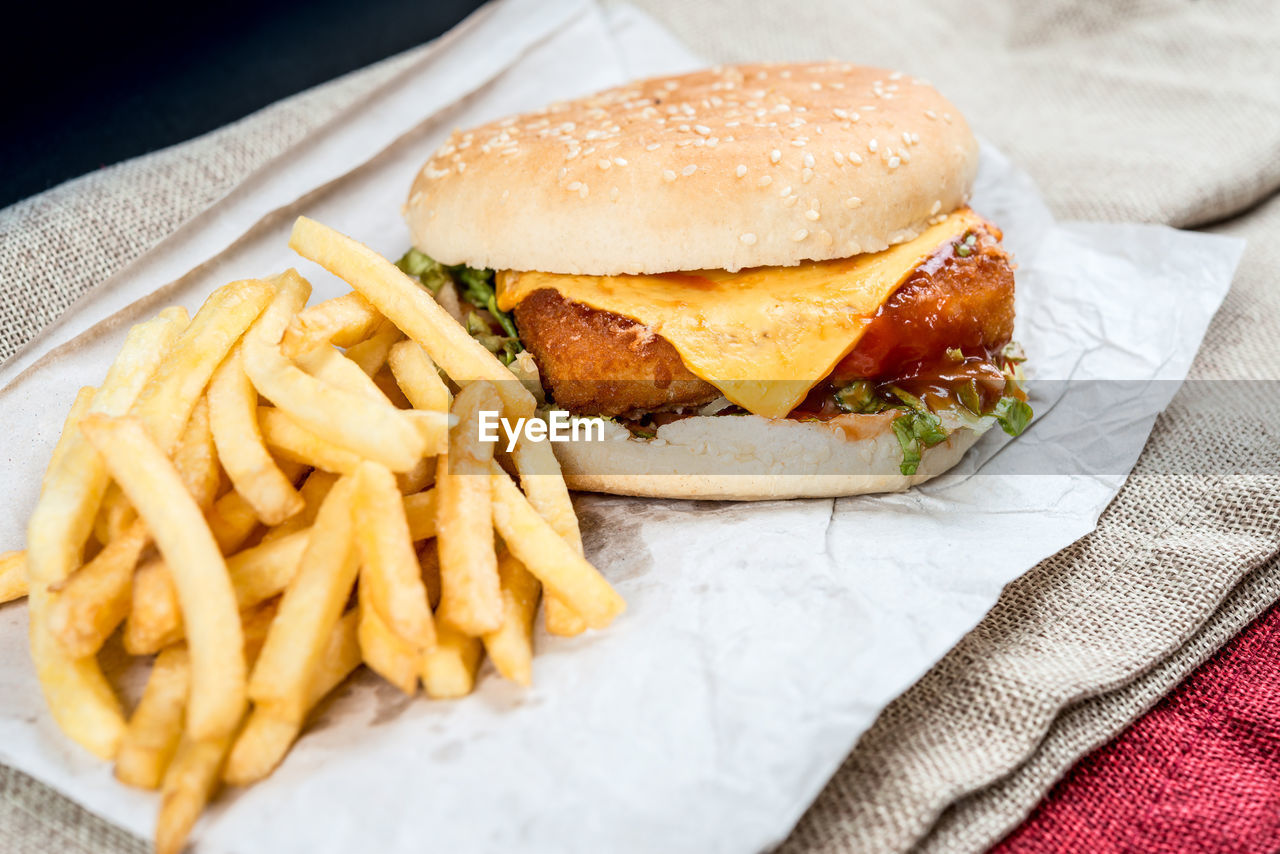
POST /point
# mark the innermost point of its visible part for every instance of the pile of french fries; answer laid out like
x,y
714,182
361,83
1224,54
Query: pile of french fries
x,y
266,496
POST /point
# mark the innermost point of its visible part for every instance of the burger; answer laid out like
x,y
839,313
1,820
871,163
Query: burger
x,y
764,279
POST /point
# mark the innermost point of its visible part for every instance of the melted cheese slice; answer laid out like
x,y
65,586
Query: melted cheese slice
x,y
763,336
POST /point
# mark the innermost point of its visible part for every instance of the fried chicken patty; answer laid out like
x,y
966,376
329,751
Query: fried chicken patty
x,y
598,363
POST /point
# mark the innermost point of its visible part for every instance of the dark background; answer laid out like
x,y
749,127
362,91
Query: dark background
x,y
89,84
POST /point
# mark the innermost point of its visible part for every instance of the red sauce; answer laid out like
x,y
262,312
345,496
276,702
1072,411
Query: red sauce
x,y
948,301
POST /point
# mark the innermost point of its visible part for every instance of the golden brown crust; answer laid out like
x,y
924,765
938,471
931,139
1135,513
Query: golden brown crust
x,y
730,167
598,363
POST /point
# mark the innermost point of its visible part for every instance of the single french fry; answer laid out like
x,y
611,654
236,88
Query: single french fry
x,y
13,576
344,321
95,599
390,566
78,695
545,488
510,647
256,574
309,609
233,407
471,599
189,783
545,554
205,592
155,728
70,429
264,740
449,670
371,354
418,378
196,458
410,307
387,654
291,441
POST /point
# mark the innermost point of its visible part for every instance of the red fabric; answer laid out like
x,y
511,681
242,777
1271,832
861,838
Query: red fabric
x,y
1200,772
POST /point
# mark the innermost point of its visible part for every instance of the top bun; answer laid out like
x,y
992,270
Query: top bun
x,y
731,167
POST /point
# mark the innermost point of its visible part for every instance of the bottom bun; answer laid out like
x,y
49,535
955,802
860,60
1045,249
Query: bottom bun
x,y
750,458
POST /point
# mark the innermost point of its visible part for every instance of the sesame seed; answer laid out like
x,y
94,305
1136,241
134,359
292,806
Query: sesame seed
x,y
806,175
653,146
840,114
906,137
786,191
790,201
613,194
573,188
689,170
775,156
852,202
800,234
668,175
799,142
748,238
855,158
604,164
872,146
702,129
824,237
741,171
838,158
582,191
946,117
764,181
620,161
894,162
808,159
812,215
930,114
817,87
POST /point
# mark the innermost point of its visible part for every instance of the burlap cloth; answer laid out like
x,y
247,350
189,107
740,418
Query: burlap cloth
x,y
1158,111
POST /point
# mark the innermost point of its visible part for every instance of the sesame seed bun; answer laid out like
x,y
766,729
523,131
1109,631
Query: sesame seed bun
x,y
749,458
732,167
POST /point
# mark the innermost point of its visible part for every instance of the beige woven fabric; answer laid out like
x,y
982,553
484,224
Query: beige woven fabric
x,y
1157,111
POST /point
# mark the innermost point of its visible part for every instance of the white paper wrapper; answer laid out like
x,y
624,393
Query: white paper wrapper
x,y
760,640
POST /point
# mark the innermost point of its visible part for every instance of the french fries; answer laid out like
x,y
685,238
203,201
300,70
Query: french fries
x,y
470,597
510,646
417,377
410,307
391,571
352,474
233,407
540,476
156,725
561,569
309,609
13,576
208,602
